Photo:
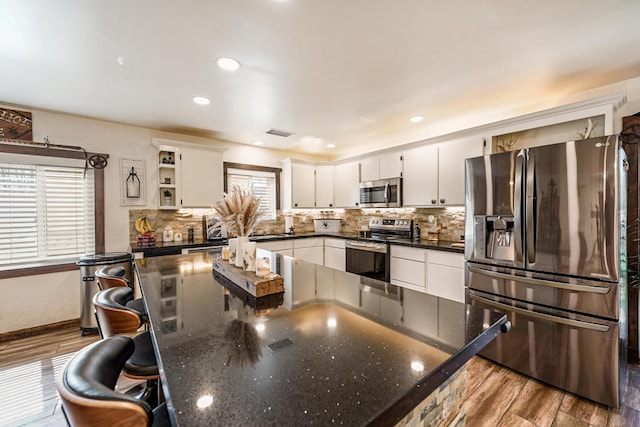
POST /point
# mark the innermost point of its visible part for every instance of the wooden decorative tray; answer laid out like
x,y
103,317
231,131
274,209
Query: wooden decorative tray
x,y
248,281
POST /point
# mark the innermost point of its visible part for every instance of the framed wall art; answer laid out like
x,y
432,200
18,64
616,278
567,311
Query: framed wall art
x,y
132,182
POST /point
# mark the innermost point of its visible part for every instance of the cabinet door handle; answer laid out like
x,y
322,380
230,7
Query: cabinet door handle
x,y
295,204
330,205
357,204
433,201
441,200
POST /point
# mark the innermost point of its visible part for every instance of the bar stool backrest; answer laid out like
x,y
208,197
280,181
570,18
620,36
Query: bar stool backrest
x,y
87,387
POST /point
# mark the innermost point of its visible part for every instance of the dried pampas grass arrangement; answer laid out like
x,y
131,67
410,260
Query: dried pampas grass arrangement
x,y
238,211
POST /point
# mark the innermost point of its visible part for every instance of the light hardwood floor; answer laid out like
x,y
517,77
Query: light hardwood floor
x,y
496,396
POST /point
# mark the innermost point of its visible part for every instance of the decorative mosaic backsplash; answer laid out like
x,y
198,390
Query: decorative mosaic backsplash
x,y
449,222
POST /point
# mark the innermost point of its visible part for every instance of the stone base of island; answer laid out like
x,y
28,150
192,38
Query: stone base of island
x,y
331,349
444,407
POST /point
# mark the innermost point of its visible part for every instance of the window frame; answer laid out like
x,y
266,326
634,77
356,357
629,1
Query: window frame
x,y
277,171
37,150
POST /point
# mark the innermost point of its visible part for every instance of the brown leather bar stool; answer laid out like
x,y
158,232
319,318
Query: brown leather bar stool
x,y
106,280
115,317
87,388
112,276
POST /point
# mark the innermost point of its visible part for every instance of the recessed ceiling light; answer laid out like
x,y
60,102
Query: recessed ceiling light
x,y
331,145
416,119
228,64
258,143
201,100
120,60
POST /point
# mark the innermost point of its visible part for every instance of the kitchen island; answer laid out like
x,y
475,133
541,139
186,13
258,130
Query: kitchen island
x,y
332,348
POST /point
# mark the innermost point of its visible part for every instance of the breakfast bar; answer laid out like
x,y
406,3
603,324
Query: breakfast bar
x,y
333,348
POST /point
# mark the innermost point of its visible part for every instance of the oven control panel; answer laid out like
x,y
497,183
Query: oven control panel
x,y
391,223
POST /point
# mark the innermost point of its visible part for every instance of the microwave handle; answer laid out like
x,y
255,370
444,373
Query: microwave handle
x,y
386,193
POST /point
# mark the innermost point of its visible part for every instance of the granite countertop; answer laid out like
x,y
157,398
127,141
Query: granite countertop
x,y
331,349
174,248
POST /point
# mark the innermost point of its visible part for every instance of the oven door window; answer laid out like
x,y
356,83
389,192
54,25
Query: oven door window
x,y
366,263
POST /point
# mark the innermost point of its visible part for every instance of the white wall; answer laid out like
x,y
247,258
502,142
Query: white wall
x,y
48,298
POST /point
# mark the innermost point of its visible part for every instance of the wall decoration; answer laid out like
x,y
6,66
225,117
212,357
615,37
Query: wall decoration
x,y
16,124
132,183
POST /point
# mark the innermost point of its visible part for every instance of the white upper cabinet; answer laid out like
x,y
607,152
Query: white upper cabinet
x,y
388,165
346,193
451,161
298,184
201,173
369,169
391,165
434,174
303,185
188,177
420,180
324,186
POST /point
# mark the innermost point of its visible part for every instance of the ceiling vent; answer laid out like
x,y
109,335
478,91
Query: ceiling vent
x,y
282,133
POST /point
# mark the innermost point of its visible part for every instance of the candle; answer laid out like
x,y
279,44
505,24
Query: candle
x,y
232,250
263,268
249,256
225,253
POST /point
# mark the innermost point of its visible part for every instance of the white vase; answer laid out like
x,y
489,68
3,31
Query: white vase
x,y
241,240
249,256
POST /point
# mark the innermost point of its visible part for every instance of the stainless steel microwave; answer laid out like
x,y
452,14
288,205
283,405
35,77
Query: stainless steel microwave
x,y
383,193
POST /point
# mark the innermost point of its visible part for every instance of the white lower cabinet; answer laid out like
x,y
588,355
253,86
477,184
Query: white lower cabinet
x,y
445,275
310,250
408,267
437,273
334,254
283,247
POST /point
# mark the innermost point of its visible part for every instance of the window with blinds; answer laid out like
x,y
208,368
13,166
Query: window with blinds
x,y
263,185
46,213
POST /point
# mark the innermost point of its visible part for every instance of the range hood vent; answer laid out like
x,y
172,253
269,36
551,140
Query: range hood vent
x,y
282,133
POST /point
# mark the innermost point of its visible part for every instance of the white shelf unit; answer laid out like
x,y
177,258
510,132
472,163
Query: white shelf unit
x,y
167,178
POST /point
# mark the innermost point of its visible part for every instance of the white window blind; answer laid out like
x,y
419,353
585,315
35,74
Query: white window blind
x,y
46,213
263,185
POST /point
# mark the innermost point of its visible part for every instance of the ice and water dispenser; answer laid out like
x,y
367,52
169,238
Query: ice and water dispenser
x,y
494,237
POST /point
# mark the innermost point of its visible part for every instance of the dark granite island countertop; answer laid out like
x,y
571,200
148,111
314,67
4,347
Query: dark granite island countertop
x,y
329,350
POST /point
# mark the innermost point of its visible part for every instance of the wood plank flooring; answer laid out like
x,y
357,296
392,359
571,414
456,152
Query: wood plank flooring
x,y
496,396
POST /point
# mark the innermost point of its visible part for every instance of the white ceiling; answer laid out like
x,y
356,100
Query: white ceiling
x,y
349,72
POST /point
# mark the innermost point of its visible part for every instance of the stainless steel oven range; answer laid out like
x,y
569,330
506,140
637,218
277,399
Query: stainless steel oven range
x,y
369,258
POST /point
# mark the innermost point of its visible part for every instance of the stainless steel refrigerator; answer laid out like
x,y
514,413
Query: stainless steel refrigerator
x,y
545,244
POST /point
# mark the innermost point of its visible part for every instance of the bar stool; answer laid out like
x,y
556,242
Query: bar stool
x,y
115,317
112,276
87,386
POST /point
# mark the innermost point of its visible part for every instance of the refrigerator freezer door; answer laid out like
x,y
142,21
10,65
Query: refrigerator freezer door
x,y
573,211
593,297
576,353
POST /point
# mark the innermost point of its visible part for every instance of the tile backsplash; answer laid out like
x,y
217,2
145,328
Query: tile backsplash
x,y
449,221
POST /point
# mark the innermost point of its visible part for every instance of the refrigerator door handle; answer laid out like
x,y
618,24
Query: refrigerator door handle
x,y
517,210
554,319
530,210
559,285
